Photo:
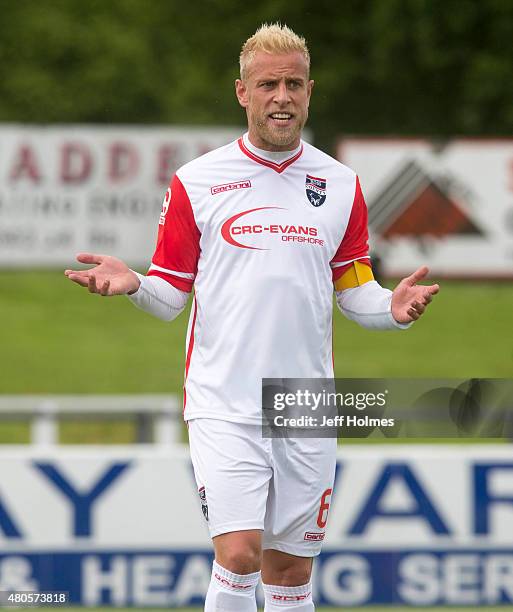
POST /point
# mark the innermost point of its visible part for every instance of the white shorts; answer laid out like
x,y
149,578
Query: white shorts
x,y
280,486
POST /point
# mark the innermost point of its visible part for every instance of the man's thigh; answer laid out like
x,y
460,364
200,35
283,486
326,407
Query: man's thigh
x,y
232,469
299,495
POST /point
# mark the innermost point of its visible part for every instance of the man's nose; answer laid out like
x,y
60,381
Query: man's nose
x,y
281,95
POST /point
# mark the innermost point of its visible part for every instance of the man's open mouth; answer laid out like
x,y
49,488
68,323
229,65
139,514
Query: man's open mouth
x,y
281,116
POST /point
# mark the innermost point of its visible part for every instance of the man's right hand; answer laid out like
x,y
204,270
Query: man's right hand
x,y
109,276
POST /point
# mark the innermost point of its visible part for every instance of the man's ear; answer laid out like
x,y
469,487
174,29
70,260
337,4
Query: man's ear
x,y
241,92
309,87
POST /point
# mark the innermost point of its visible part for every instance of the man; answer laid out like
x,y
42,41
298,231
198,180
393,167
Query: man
x,y
264,228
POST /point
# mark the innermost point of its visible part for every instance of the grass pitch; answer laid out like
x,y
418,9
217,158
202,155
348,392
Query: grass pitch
x,y
58,338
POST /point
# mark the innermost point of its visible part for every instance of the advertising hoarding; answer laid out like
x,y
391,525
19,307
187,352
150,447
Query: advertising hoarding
x,y
448,204
408,525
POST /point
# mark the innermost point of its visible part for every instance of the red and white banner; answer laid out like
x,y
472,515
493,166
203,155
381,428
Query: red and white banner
x,y
75,188
448,205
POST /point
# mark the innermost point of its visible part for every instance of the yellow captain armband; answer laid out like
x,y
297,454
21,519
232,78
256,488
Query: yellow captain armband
x,y
358,274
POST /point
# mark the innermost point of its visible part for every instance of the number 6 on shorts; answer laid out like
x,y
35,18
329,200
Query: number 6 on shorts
x,y
324,508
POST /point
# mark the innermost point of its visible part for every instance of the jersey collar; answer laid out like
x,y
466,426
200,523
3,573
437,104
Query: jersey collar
x,y
280,162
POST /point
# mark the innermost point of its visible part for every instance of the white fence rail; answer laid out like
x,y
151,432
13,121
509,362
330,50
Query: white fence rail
x,y
157,416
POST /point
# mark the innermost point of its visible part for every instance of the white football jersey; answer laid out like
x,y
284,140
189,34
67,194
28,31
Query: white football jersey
x,y
262,243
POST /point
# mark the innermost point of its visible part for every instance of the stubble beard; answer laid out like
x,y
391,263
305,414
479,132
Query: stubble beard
x,y
284,138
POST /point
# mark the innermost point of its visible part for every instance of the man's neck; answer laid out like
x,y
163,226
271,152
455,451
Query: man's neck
x,y
276,156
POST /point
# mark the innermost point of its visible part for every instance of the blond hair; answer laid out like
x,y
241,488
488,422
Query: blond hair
x,y
272,38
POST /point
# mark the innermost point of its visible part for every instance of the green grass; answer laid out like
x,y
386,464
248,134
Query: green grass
x,y
58,338
465,333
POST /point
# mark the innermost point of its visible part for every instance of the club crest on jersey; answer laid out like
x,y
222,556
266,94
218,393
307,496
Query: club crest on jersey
x,y
315,190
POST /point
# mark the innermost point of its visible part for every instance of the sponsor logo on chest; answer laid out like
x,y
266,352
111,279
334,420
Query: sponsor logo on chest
x,y
261,228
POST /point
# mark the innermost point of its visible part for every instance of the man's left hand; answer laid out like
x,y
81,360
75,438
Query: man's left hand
x,y
409,300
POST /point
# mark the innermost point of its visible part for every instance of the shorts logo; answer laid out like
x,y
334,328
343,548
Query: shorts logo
x,y
315,190
230,186
313,536
203,499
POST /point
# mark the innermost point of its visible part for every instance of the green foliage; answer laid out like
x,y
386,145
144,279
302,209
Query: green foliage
x,y
434,67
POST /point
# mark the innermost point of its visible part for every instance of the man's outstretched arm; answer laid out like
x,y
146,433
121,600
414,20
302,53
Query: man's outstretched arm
x,y
409,300
111,276
375,307
359,296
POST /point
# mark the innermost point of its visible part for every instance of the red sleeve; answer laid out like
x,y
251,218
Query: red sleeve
x,y
354,244
177,251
